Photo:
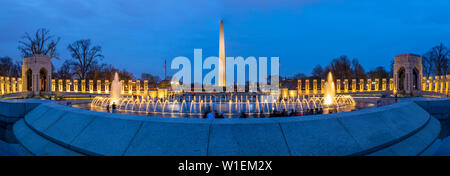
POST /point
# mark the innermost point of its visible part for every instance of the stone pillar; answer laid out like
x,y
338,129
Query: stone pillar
x,y
353,85
447,80
36,83
338,86
377,84
19,84
162,93
284,93
383,84
53,85
430,83
146,87
424,83
322,86
361,85
107,86
60,85
345,85
83,86
48,82
68,85
369,85
130,87
138,87
99,86
2,84
442,84
292,94
436,83
91,86
13,85
299,87
75,85
7,85
315,86
122,82
307,86
391,84
153,94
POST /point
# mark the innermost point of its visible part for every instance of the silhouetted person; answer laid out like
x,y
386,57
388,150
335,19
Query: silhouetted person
x,y
320,111
284,113
216,115
107,108
243,115
292,113
208,110
210,115
274,113
114,107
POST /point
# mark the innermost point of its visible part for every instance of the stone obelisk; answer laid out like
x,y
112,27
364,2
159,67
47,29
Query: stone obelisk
x,y
221,57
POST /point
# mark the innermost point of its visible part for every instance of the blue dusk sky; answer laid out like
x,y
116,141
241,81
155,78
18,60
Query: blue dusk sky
x,y
138,35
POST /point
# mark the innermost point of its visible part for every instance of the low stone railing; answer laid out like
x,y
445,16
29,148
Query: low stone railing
x,y
400,129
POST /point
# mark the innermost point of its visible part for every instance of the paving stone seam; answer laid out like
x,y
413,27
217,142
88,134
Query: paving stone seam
x,y
284,139
132,138
431,143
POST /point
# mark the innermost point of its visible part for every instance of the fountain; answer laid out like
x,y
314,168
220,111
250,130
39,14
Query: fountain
x,y
329,91
228,104
115,90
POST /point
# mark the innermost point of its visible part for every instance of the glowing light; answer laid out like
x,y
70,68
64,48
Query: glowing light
x,y
330,92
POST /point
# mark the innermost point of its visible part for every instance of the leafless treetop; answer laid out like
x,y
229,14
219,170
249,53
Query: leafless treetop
x,y
42,43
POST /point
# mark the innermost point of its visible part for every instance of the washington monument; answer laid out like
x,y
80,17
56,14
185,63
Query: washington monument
x,y
222,82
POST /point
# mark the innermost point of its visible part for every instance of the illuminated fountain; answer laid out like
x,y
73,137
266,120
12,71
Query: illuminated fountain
x,y
329,91
115,89
228,104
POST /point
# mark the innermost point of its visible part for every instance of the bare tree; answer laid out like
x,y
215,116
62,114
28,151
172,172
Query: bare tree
x,y
358,70
42,43
317,72
379,72
340,67
126,75
84,56
427,65
9,68
65,71
436,60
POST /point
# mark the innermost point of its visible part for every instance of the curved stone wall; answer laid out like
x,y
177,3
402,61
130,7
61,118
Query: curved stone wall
x,y
12,110
400,129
